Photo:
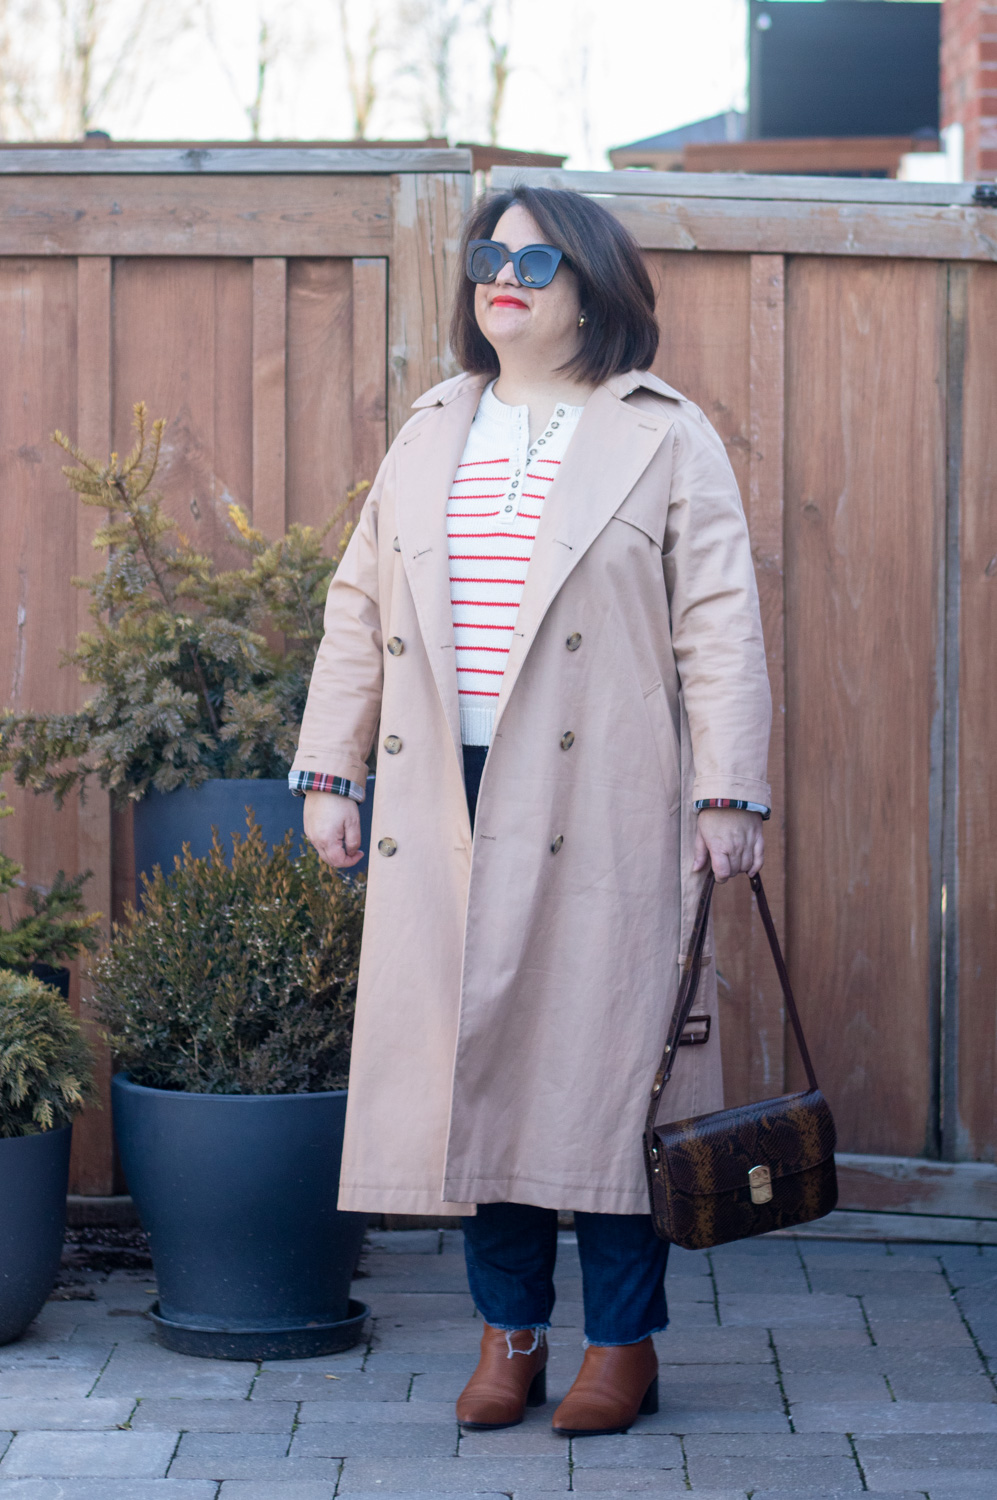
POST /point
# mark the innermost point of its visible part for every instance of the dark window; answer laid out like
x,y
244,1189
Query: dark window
x,y
844,67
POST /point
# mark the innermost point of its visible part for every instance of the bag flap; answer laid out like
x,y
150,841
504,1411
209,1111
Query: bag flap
x,y
714,1153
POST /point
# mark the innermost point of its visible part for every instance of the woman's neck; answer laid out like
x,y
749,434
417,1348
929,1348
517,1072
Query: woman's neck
x,y
540,391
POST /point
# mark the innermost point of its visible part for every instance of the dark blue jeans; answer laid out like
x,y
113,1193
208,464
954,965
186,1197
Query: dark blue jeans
x,y
511,1248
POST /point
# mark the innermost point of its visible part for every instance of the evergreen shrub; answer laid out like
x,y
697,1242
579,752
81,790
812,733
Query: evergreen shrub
x,y
46,1071
238,977
199,672
56,926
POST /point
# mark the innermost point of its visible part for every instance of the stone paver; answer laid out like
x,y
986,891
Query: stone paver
x,y
176,1414
376,1440
442,1476
74,1413
265,1489
143,1455
781,1354
107,1489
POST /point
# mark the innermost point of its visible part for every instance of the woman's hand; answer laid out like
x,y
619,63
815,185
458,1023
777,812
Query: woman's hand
x,y
732,840
332,824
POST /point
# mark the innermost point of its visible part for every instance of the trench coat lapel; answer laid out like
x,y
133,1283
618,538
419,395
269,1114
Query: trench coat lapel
x,y
612,446
426,465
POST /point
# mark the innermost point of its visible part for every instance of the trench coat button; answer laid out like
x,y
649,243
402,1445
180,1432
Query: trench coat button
x,y
396,645
397,545
557,843
574,641
567,740
387,847
392,744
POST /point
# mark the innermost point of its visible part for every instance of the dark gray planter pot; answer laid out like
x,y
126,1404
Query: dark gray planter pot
x,y
237,1193
34,1177
165,821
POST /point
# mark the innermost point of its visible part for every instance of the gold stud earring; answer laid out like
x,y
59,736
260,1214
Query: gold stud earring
x,y
581,321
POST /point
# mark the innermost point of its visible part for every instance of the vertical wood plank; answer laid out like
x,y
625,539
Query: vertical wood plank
x,y
320,346
865,498
183,343
91,1169
269,395
370,370
711,330
426,219
764,507
974,1131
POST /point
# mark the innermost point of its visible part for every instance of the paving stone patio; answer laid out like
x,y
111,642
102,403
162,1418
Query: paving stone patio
x,y
793,1370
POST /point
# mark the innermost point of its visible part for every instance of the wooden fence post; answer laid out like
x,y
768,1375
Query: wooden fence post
x,y
767,359
91,1169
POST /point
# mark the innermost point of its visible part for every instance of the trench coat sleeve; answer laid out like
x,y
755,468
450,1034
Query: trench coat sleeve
x,y
344,697
716,625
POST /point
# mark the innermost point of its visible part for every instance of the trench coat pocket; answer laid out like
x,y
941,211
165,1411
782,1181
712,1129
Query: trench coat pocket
x,y
665,743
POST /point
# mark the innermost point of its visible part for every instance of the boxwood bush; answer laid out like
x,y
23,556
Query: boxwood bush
x,y
237,976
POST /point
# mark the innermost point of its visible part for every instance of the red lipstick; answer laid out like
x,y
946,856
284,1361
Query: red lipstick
x,y
507,301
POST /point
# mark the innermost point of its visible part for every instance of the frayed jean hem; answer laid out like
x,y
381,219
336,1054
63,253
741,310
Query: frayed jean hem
x,y
588,1343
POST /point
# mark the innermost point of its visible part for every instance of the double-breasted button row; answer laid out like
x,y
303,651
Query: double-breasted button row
x,y
392,744
396,645
574,641
387,847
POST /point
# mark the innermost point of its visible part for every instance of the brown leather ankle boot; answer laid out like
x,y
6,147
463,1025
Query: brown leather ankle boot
x,y
505,1384
614,1385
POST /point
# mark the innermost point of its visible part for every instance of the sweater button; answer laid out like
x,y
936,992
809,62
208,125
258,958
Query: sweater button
x,y
396,645
567,740
397,545
557,843
392,744
387,847
574,641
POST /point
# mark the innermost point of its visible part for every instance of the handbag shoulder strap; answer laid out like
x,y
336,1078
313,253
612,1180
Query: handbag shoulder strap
x,y
689,986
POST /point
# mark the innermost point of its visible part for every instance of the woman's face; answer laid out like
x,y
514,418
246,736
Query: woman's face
x,y
536,322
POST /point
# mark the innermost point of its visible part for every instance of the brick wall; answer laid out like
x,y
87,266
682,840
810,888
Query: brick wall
x,y
969,81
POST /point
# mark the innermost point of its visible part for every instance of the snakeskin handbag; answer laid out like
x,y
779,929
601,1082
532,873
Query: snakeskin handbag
x,y
737,1172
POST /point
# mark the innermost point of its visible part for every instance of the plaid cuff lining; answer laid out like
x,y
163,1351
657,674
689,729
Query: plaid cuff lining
x,y
301,782
738,804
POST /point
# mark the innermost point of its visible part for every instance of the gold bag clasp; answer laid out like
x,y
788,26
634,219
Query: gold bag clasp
x,y
760,1183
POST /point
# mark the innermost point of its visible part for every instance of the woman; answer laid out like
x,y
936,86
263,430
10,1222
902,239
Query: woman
x,y
550,609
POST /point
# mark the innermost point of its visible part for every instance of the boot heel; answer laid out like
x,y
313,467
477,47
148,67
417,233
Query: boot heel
x,y
537,1393
649,1405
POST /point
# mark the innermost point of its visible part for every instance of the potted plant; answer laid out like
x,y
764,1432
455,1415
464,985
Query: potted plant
x,y
200,673
229,999
45,1079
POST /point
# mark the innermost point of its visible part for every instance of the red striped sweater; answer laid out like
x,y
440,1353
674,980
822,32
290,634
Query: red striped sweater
x,y
496,501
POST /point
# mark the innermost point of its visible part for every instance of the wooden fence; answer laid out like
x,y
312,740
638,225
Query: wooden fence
x,y
282,308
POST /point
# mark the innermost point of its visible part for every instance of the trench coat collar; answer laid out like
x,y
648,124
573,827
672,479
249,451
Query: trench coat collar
x,y
610,449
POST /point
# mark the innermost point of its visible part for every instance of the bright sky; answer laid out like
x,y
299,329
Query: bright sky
x,y
586,74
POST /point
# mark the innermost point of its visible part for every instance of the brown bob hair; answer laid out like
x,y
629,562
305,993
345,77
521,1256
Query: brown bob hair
x,y
617,297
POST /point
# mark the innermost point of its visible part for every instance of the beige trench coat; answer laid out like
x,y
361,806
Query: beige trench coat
x,y
515,988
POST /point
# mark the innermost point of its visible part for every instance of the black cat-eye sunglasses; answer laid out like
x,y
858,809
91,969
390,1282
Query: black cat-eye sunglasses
x,y
534,265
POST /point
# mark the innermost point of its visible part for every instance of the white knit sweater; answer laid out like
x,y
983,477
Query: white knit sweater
x,y
496,501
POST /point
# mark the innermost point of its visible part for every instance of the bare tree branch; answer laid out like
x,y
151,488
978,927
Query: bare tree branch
x,y
429,29
360,68
269,46
498,61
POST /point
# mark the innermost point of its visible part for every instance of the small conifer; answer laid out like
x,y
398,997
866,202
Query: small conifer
x,y
199,672
46,1074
